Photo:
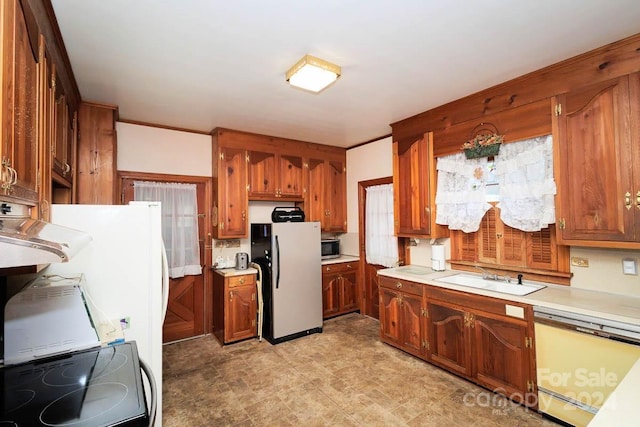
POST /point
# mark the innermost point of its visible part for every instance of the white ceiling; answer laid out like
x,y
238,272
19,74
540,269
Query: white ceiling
x,y
200,64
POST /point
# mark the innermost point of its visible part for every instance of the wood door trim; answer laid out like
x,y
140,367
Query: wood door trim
x,y
403,251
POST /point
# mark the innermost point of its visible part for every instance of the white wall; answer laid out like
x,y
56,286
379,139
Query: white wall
x,y
155,150
368,161
375,161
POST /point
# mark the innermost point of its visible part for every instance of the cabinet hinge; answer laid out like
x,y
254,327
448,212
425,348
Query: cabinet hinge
x,y
425,312
247,158
530,386
562,223
221,156
248,187
221,226
558,109
528,342
425,344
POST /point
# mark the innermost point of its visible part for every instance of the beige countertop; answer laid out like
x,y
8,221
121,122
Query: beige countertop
x,y
621,407
228,272
341,258
593,303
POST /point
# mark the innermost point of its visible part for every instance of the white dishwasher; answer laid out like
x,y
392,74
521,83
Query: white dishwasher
x,y
580,360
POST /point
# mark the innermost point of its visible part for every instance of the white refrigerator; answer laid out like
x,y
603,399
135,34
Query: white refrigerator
x,y
125,270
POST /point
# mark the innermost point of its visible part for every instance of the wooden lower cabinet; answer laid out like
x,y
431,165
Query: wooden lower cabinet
x,y
402,315
466,334
235,307
339,289
448,342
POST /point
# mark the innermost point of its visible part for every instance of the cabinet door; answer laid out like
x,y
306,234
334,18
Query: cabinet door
x,y
411,187
390,312
330,294
448,337
19,143
336,199
411,321
241,313
262,175
96,155
593,130
315,189
232,191
502,355
348,291
291,176
63,135
46,93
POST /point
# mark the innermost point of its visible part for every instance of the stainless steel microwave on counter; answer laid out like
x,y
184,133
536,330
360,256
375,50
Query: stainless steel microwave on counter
x,y
330,248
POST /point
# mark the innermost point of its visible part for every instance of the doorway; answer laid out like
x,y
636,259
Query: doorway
x,y
189,309
369,272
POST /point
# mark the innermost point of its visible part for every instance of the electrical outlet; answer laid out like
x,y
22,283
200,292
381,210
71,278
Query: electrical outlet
x,y
580,262
630,266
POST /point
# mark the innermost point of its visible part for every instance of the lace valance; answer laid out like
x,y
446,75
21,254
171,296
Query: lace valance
x,y
524,173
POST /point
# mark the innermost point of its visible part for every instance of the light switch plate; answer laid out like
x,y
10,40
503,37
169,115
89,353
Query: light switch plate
x,y
630,266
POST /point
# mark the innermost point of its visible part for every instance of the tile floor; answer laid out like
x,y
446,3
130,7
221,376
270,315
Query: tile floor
x,y
342,377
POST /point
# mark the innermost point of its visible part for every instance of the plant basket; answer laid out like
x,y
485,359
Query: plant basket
x,y
482,151
485,141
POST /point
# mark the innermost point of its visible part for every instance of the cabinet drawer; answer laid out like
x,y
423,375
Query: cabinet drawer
x,y
340,267
402,285
483,303
245,279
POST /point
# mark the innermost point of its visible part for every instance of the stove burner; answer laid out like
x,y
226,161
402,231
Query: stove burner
x,y
19,398
96,400
76,373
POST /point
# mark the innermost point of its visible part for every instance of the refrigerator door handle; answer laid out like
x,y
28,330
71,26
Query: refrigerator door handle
x,y
165,281
277,262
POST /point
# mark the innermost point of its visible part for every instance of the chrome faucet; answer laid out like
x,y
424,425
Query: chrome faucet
x,y
487,275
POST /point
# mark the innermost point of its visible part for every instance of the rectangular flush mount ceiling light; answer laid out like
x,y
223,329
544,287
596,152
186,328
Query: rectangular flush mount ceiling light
x,y
313,74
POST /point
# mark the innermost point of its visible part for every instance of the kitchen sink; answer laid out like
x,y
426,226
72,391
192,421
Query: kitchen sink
x,y
490,285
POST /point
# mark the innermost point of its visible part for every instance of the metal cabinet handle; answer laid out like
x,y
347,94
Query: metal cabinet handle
x,y
627,200
398,285
638,200
241,280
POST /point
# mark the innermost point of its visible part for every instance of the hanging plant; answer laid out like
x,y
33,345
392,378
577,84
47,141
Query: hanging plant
x,y
485,142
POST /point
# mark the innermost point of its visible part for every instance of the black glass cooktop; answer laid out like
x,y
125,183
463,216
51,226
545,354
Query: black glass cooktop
x,y
95,387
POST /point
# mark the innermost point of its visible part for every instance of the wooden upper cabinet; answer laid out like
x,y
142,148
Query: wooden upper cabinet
x,y
64,134
315,184
19,106
336,197
414,186
232,201
97,145
274,176
325,194
597,136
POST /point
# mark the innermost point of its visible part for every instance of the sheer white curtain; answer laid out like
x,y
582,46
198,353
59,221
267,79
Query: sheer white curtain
x,y
179,223
381,244
460,196
524,171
